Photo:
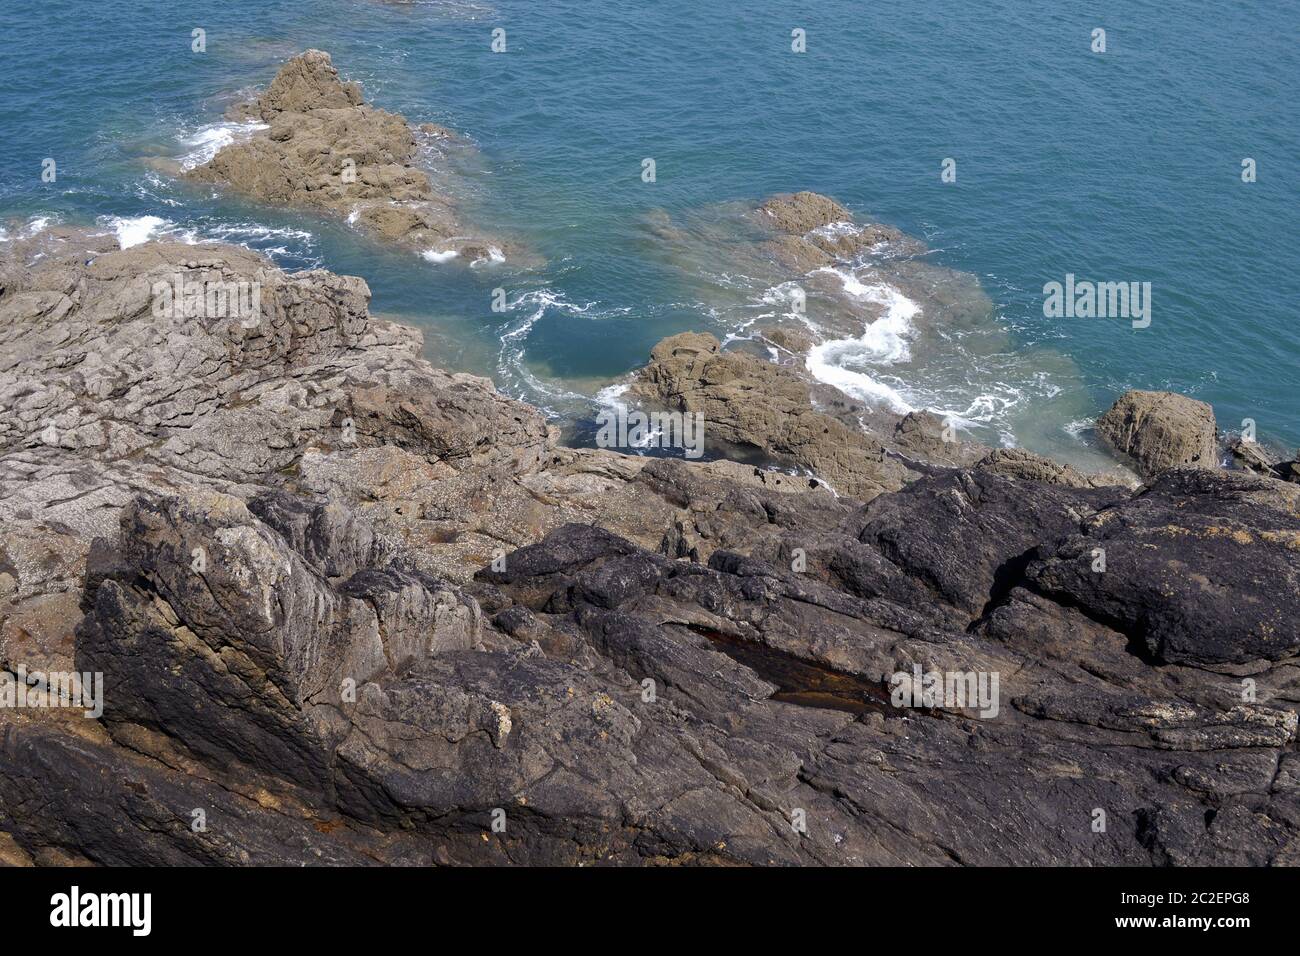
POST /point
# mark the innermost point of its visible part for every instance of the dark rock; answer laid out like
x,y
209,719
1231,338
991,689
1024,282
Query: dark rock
x,y
967,536
1194,569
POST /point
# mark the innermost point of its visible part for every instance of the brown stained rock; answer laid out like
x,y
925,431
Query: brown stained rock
x,y
812,230
327,149
801,212
38,633
11,854
792,340
745,400
1161,430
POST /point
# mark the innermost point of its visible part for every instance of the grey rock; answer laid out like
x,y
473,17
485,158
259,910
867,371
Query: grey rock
x,y
361,610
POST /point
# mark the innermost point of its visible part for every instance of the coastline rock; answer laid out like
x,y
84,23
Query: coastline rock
x,y
749,402
1252,456
1161,430
812,230
792,340
1193,568
325,148
925,436
356,607
1019,463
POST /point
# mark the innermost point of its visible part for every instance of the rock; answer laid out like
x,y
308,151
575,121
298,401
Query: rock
x,y
234,396
801,212
1019,463
1161,430
1252,456
308,82
357,607
927,437
325,148
813,230
1193,568
749,402
791,340
968,535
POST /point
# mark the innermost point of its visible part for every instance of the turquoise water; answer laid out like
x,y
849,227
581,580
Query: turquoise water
x,y
1122,166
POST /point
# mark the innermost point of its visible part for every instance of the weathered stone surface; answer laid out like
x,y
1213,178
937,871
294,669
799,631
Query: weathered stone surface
x,y
966,535
1252,456
1161,430
325,148
1019,463
815,227
746,401
357,607
1194,569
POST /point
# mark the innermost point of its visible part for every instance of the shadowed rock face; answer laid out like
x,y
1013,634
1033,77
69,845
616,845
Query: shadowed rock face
x,y
356,609
325,148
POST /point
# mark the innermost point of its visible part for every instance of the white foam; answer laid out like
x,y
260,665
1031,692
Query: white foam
x,y
37,225
250,231
494,255
207,141
835,230
611,396
433,255
134,230
883,342
1076,428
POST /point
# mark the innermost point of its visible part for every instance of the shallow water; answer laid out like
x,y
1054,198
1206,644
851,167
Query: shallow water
x,y
1114,167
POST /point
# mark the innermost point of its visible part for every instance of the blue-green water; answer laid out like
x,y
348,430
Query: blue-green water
x,y
1122,166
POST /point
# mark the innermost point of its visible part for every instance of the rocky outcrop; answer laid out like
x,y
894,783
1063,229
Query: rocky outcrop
x,y
118,379
748,402
350,609
1019,463
810,230
324,148
1161,430
1196,568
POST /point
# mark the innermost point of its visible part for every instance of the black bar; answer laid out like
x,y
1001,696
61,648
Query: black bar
x,y
339,906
